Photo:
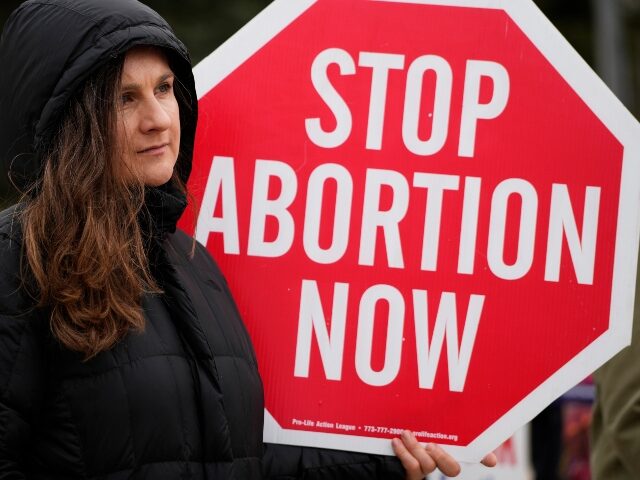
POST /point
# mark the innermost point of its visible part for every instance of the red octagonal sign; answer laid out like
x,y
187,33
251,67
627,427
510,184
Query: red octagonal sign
x,y
427,211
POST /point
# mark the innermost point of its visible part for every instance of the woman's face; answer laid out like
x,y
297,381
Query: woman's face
x,y
148,132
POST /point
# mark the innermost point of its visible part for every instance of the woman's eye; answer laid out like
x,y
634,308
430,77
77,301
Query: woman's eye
x,y
126,98
165,88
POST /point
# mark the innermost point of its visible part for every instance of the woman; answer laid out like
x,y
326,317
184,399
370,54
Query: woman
x,y
121,351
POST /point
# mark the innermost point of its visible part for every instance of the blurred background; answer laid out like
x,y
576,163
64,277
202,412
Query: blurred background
x,y
606,33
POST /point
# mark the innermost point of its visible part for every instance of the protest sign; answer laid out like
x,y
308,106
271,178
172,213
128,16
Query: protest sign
x,y
427,212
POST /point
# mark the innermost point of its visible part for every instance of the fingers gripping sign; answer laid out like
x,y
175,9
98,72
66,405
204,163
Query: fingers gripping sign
x,y
419,461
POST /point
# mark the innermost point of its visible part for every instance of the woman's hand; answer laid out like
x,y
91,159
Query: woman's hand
x,y
419,461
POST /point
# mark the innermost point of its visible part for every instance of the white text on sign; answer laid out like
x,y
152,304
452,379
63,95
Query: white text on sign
x,y
562,224
381,63
428,346
376,235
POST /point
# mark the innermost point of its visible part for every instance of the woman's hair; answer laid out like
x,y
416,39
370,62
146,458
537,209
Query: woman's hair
x,y
86,254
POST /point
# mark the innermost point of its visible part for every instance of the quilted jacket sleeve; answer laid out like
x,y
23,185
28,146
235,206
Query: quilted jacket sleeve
x,y
20,367
615,427
283,462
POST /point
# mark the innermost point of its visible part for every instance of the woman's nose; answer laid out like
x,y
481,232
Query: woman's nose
x,y
154,116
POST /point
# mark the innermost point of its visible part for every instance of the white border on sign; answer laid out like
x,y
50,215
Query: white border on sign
x,y
278,15
245,42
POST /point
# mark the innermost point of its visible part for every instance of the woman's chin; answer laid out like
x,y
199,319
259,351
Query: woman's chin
x,y
157,178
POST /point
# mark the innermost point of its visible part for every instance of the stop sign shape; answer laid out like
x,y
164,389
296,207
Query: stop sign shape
x,y
426,210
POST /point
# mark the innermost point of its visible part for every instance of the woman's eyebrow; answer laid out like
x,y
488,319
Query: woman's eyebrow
x,y
166,76
137,86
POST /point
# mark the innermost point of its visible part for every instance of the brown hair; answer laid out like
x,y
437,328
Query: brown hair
x,y
85,249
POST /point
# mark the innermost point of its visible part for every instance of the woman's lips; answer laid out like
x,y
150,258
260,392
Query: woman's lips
x,y
154,150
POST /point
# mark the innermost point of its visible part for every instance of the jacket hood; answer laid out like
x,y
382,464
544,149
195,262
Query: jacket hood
x,y
49,47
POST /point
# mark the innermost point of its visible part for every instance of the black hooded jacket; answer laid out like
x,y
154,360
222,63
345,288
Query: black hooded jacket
x,y
183,400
